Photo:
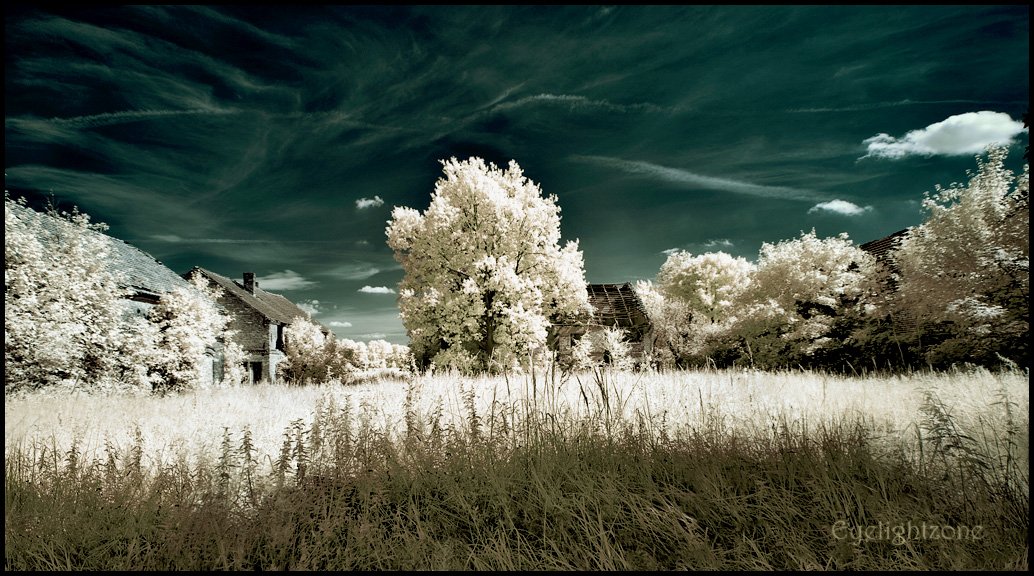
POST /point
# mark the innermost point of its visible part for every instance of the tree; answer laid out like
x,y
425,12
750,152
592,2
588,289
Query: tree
x,y
670,319
379,355
708,283
693,303
65,321
186,325
61,303
485,272
968,263
603,347
801,289
315,357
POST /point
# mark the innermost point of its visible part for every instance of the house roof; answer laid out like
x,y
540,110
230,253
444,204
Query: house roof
x,y
616,305
881,248
132,267
272,306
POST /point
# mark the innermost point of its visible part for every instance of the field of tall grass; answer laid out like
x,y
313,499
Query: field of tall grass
x,y
597,470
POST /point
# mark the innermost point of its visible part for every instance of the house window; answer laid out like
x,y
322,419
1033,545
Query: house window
x,y
279,336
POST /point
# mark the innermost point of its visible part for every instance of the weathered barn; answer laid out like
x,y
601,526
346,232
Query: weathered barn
x,y
145,278
258,319
613,305
882,249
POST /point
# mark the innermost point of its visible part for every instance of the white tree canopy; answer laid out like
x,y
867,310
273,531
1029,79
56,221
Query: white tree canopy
x,y
969,262
485,271
61,304
709,283
807,281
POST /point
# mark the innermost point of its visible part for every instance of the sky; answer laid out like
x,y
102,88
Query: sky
x,y
277,140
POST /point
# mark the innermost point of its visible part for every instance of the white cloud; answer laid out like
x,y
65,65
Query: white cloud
x,y
353,271
671,251
286,280
336,324
840,207
376,290
364,203
958,135
693,180
310,307
723,242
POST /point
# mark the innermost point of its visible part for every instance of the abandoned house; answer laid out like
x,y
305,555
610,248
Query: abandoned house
x,y
613,305
258,319
145,278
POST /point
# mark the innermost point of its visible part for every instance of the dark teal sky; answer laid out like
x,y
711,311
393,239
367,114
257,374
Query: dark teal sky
x,y
277,140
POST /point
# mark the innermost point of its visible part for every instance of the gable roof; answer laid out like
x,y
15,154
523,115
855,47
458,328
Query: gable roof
x,y
882,247
273,307
132,268
616,305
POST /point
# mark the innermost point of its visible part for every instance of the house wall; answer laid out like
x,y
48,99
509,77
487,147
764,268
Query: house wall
x,y
254,333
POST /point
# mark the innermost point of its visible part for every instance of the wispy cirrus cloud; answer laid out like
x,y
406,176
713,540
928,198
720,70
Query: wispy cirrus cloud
x,y
840,207
880,105
577,103
353,271
174,239
958,135
694,180
125,117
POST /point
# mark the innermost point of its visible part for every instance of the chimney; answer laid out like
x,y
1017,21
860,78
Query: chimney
x,y
249,282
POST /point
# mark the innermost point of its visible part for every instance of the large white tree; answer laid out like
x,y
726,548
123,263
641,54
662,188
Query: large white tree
x,y
969,261
185,327
64,320
485,271
693,302
709,283
61,303
802,285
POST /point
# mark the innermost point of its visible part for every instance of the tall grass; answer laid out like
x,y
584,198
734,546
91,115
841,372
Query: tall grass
x,y
598,470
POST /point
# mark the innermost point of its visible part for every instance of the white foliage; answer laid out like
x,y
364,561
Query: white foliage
x,y
234,358
972,254
65,320
61,304
804,283
671,320
709,283
315,357
379,355
484,267
602,347
188,326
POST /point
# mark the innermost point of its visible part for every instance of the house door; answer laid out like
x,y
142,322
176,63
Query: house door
x,y
256,372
